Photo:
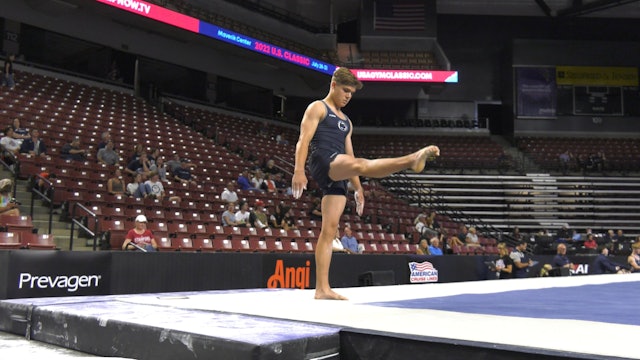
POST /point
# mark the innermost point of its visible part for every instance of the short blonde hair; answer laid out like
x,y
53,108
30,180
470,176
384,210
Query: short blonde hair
x,y
344,76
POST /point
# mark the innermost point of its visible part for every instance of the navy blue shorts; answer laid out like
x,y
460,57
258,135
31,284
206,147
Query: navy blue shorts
x,y
319,165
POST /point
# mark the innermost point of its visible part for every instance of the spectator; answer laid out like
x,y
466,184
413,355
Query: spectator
x,y
590,244
634,258
258,218
276,219
281,139
561,260
161,169
316,210
456,240
434,248
140,235
564,234
8,206
242,215
7,73
603,264
115,185
349,242
257,179
156,189
183,174
177,162
516,235
73,151
139,165
268,184
229,193
138,149
504,264
423,247
9,143
107,155
565,161
152,156
472,238
270,168
289,220
243,181
19,133
282,186
336,245
137,188
105,137
229,215
34,145
521,261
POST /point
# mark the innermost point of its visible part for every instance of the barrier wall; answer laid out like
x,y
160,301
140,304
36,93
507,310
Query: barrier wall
x,y
27,273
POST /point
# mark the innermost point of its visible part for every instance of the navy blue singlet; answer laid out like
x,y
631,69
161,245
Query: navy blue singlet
x,y
327,143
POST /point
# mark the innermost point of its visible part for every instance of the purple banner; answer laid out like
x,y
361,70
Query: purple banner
x,y
536,92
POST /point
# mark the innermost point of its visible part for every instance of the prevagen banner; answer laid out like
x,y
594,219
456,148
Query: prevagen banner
x,y
189,23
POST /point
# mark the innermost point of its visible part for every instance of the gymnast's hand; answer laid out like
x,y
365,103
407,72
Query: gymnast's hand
x,y
298,184
359,197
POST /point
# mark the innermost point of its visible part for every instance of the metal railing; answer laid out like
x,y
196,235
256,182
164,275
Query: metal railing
x,y
81,226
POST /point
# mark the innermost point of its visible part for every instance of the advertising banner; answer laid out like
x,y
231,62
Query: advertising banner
x,y
536,92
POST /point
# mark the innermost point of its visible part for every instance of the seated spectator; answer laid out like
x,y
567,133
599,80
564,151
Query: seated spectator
x,y
281,139
139,165
282,185
597,160
229,215
177,162
423,247
565,161
183,174
603,264
590,244
564,234
516,235
521,262
242,215
107,155
289,220
268,184
73,151
140,235
257,179
152,156
19,133
316,210
259,218
34,145
105,137
243,181
8,206
472,238
457,240
504,264
434,248
277,218
561,260
161,169
336,244
421,225
634,258
137,188
229,193
349,242
115,185
156,189
270,168
9,143
138,149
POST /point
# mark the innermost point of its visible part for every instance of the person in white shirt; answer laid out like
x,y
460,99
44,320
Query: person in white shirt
x,y
229,193
242,215
8,142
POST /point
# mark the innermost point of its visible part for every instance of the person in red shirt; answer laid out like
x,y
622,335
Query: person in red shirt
x,y
590,243
140,236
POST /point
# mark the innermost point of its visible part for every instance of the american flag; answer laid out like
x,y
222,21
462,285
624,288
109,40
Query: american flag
x,y
423,266
399,15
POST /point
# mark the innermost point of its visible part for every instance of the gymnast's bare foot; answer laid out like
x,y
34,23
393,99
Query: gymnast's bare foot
x,y
328,295
423,155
